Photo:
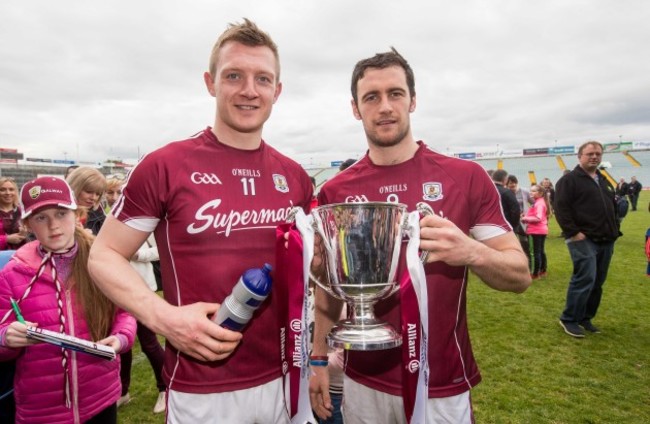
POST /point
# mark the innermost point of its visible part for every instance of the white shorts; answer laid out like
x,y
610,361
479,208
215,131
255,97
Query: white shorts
x,y
362,404
262,404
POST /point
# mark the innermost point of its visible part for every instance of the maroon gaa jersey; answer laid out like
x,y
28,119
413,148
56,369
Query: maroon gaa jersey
x,y
460,191
214,210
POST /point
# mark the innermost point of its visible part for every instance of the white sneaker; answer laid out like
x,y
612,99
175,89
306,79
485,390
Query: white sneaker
x,y
123,400
161,403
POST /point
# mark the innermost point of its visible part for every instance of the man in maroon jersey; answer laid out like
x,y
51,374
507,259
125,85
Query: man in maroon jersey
x,y
213,202
467,231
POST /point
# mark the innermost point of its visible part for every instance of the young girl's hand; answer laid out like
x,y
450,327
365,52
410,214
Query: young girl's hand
x,y
16,335
113,342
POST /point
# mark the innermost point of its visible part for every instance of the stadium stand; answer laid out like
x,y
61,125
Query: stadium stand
x,y
527,168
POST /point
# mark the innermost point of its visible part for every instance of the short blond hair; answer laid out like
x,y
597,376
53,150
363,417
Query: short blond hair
x,y
248,34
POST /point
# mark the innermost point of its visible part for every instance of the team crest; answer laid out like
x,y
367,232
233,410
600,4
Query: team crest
x,y
280,183
432,191
34,192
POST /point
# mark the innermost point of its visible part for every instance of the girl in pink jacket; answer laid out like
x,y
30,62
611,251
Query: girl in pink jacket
x,y
537,229
49,280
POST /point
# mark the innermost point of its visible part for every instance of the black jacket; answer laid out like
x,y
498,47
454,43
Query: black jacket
x,y
510,206
582,205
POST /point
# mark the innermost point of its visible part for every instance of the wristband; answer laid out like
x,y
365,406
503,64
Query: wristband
x,y
319,358
318,363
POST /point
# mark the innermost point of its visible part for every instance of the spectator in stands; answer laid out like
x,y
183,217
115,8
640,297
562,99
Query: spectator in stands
x,y
89,186
524,201
536,220
622,187
12,233
586,212
633,191
509,203
547,185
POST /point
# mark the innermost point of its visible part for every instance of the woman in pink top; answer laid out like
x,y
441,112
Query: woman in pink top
x,y
537,220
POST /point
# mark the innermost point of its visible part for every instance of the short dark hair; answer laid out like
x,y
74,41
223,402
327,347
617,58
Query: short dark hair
x,y
499,175
512,179
346,164
382,61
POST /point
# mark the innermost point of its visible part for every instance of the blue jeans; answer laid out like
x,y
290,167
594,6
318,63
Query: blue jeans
x,y
590,264
337,417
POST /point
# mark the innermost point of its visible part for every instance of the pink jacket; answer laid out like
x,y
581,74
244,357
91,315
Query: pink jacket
x,y
39,383
536,218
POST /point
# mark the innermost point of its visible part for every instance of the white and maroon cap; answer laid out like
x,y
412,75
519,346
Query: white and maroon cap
x,y
45,191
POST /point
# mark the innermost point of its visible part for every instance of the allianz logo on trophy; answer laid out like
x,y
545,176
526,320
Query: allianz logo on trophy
x,y
362,244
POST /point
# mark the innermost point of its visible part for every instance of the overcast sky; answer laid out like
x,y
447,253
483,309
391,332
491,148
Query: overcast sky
x,y
92,80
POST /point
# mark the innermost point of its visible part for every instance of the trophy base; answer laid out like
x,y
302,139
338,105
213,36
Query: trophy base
x,y
363,337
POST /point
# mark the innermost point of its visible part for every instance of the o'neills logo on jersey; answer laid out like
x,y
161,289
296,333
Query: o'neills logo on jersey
x,y
432,191
280,183
208,217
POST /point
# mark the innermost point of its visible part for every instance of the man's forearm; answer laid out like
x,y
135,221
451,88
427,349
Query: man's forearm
x,y
502,268
121,283
326,312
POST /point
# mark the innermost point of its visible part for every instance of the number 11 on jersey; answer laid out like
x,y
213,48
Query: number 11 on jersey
x,y
249,186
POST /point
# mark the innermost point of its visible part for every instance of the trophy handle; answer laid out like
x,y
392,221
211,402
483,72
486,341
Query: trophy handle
x,y
291,217
425,210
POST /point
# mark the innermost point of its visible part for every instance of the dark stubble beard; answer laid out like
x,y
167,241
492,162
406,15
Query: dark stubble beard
x,y
379,142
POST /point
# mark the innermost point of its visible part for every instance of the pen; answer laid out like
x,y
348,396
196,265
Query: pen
x,y
14,305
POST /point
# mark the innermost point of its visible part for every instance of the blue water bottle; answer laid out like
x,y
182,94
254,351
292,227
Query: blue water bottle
x,y
248,294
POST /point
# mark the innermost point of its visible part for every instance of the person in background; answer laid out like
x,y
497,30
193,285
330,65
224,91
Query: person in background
x,y
524,201
113,192
547,185
511,209
536,220
12,233
622,188
585,209
49,280
142,262
213,202
69,170
400,169
89,186
633,190
346,164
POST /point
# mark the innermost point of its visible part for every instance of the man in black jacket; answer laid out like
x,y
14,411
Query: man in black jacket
x,y
586,211
509,202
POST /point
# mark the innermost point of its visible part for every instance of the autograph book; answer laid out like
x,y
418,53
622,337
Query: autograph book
x,y
71,342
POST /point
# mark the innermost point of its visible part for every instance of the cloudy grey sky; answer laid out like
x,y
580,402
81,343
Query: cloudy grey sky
x,y
91,80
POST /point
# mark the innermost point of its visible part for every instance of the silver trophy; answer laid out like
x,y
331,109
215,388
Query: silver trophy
x,y
362,243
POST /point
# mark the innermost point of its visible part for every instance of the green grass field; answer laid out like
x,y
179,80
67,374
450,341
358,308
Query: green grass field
x,y
532,371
